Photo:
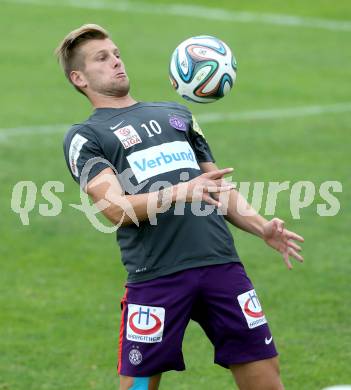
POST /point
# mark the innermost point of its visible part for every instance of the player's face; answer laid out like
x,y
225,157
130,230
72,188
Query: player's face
x,y
104,71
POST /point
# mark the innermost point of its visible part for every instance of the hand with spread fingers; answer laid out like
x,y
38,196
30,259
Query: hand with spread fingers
x,y
283,240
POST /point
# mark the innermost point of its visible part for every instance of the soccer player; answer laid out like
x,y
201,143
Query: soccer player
x,y
152,173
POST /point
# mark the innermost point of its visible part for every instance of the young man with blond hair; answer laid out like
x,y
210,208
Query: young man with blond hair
x,y
152,168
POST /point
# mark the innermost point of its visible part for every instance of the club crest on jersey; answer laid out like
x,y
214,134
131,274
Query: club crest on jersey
x,y
177,123
128,136
252,309
145,323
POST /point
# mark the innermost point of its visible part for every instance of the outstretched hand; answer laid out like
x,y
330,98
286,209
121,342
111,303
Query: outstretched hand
x,y
282,240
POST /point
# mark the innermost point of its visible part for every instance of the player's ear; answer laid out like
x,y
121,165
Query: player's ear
x,y
78,79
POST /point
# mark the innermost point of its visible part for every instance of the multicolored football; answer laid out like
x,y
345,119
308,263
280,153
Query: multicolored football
x,y
202,69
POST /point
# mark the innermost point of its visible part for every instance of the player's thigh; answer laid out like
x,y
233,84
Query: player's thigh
x,y
258,375
144,383
155,314
230,313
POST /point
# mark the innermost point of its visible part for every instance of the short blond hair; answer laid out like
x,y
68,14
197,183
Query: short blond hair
x,y
67,52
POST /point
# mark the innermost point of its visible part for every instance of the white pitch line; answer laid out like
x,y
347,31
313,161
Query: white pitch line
x,y
200,12
290,112
5,133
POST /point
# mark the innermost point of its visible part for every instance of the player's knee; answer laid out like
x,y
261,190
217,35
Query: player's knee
x,y
275,366
130,383
276,386
273,381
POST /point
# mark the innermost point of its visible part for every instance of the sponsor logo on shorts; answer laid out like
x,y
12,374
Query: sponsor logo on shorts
x,y
128,136
268,341
74,152
162,158
252,309
177,123
145,323
135,357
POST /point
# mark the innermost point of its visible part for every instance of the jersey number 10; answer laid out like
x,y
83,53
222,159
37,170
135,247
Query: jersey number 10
x,y
153,128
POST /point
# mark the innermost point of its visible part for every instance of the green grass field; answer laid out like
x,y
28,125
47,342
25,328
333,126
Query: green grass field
x,y
61,280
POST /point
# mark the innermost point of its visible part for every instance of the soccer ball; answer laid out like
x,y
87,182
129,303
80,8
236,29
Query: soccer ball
x,y
202,69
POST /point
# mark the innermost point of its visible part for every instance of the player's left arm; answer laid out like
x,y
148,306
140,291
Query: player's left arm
x,y
273,232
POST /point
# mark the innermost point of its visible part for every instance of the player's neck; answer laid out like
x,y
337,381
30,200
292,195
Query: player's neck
x,y
112,101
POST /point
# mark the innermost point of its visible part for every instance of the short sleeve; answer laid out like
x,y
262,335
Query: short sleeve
x,y
199,143
80,146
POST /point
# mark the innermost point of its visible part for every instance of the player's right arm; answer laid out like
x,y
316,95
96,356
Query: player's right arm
x,y
81,147
105,188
